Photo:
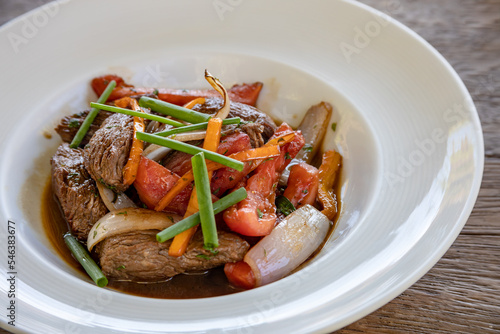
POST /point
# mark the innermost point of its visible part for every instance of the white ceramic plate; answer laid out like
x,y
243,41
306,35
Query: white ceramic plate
x,y
407,129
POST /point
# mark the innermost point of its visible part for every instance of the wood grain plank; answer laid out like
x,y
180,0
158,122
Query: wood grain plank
x,y
460,294
485,216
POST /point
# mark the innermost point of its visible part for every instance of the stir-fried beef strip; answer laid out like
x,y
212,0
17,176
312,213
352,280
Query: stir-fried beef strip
x,y
107,151
254,131
69,125
245,112
137,256
77,193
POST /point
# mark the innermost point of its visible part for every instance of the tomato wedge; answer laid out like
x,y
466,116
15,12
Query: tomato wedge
x,y
244,93
303,184
240,275
256,215
153,181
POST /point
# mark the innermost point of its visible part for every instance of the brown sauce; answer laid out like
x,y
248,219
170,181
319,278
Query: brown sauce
x,y
208,284
185,286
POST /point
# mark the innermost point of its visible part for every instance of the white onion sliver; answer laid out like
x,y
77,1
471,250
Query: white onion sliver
x,y
114,201
127,220
288,245
156,152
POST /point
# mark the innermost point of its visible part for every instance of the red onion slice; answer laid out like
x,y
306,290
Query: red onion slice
x,y
288,245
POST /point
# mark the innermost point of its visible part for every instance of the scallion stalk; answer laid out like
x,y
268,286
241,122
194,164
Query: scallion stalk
x,y
207,217
193,220
199,126
83,256
137,114
173,110
190,149
84,128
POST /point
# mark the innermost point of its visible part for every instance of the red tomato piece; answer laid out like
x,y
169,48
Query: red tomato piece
x,y
244,93
227,178
302,186
256,214
153,181
240,275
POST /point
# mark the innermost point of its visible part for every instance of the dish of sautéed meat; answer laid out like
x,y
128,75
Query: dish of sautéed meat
x,y
181,193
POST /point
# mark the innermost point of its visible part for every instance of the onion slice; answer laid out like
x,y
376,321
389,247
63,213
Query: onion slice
x,y
155,152
127,220
217,85
112,200
288,245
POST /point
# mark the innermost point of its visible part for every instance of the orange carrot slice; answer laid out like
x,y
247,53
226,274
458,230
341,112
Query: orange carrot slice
x,y
132,165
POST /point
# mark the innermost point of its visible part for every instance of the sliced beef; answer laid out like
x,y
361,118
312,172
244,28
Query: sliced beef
x,y
77,193
138,257
245,112
69,125
107,152
254,131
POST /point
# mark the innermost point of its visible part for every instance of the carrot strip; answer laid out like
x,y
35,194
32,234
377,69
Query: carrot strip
x,y
132,165
192,103
260,153
328,171
181,241
280,141
212,139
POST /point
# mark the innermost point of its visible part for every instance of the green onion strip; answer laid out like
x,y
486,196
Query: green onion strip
x,y
199,126
190,149
84,128
193,220
173,110
205,206
137,114
83,256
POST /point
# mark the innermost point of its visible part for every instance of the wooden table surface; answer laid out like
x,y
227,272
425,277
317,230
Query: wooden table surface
x,y
461,293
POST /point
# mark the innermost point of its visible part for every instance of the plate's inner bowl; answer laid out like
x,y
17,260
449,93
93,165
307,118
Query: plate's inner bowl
x,y
288,92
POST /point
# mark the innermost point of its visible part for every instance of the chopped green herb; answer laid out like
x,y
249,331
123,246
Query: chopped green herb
x,y
74,123
107,186
122,213
120,267
225,151
95,233
259,213
171,218
155,92
216,191
284,205
304,191
72,175
287,156
203,256
265,253
267,159
211,250
307,148
334,126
